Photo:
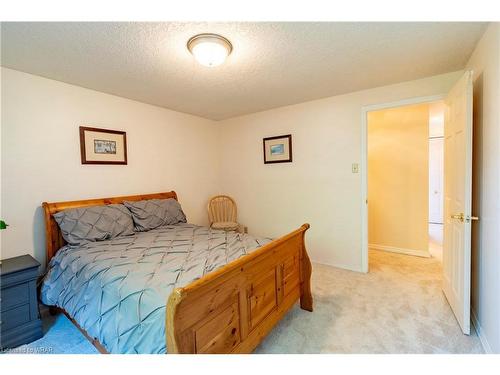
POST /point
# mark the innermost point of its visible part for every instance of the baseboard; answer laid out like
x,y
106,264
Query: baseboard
x,y
401,250
480,333
337,265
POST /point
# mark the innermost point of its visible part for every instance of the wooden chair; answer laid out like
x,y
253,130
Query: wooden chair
x,y
222,213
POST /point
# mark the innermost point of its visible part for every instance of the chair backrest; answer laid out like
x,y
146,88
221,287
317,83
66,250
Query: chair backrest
x,y
222,208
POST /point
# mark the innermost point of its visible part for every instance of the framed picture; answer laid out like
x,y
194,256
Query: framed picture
x,y
103,146
278,149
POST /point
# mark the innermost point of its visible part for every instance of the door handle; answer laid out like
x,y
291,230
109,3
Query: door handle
x,y
463,218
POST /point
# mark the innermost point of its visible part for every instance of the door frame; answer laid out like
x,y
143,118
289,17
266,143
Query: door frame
x,y
364,162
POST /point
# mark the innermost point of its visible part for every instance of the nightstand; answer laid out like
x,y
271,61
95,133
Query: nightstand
x,y
19,320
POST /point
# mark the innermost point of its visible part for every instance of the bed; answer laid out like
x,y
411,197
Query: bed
x,y
166,290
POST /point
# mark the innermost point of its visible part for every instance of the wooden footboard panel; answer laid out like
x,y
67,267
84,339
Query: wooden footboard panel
x,y
233,309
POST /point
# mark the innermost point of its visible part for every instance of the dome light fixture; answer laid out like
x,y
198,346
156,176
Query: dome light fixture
x,y
209,49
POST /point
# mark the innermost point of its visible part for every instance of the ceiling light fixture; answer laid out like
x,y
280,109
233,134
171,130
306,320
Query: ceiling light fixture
x,y
209,49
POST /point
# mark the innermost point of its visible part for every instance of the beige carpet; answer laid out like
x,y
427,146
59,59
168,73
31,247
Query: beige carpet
x,y
398,307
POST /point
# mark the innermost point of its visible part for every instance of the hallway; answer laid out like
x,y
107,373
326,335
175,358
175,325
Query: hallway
x,y
398,307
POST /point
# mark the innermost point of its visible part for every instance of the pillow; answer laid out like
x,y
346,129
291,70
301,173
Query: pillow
x,y
94,223
154,213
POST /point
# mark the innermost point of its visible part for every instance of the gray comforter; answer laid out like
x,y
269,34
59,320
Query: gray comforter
x,y
117,289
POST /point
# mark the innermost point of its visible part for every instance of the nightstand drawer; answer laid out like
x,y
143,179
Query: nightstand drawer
x,y
14,295
14,317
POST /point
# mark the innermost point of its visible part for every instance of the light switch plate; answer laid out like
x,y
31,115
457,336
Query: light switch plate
x,y
355,168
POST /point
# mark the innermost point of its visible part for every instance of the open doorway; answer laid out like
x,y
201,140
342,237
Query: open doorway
x,y
405,179
454,275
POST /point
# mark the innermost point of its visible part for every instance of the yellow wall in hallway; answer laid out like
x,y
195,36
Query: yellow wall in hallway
x,y
398,177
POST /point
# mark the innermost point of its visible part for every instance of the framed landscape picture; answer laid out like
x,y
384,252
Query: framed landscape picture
x,y
103,146
278,149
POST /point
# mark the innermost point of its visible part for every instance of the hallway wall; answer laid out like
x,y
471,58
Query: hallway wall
x,y
398,179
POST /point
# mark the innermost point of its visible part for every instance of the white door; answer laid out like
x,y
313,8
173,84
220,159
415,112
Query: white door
x,y
457,203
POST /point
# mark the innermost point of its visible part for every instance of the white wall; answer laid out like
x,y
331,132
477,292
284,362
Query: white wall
x,y
436,176
436,156
485,62
318,187
40,151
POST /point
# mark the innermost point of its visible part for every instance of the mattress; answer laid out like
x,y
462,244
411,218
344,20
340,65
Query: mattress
x,y
117,289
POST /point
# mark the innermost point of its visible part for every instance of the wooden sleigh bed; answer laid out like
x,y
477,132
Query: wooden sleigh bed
x,y
230,310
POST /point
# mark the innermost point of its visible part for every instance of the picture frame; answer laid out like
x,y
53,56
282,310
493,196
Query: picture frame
x,y
277,149
103,146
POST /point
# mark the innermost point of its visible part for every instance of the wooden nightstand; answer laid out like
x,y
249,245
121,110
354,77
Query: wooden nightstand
x,y
19,320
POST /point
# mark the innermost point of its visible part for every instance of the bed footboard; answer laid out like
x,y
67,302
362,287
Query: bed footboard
x,y
233,309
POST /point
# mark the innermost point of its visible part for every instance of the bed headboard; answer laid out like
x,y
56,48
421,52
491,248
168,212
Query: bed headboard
x,y
54,239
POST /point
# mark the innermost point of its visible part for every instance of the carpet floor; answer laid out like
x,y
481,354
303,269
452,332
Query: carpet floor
x,y
398,307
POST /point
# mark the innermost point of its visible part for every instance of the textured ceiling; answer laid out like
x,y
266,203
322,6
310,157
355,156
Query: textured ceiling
x,y
272,64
